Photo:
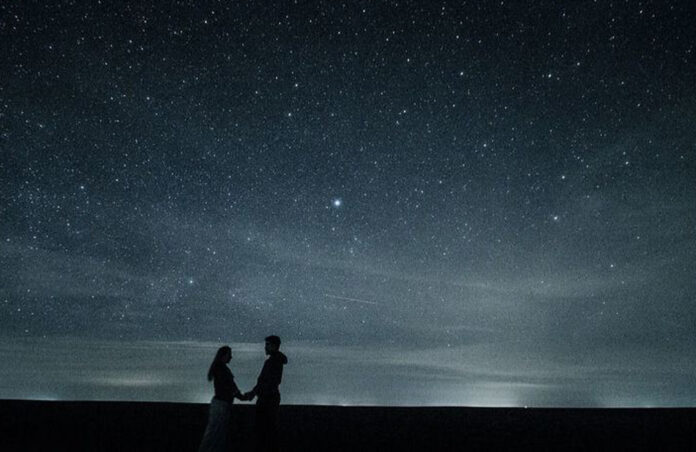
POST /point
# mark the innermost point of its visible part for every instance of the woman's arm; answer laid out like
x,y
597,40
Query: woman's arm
x,y
236,393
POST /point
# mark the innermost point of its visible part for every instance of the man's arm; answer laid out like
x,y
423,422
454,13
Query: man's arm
x,y
265,379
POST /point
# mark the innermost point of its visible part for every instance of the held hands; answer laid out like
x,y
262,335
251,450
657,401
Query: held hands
x,y
246,396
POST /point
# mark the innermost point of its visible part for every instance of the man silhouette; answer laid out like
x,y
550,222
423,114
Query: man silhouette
x,y
268,396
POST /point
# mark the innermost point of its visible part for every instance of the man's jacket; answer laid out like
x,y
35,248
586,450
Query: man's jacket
x,y
270,376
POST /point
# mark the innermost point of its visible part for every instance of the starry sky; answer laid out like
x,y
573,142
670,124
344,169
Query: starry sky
x,y
486,203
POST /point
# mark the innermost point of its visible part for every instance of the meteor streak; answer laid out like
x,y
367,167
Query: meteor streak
x,y
357,300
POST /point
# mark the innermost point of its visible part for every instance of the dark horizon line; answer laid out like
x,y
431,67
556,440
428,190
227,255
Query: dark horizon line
x,y
408,407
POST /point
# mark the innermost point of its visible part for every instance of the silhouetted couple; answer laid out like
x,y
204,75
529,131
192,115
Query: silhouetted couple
x,y
217,432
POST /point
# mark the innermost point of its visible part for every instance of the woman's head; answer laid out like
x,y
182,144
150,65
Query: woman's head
x,y
223,356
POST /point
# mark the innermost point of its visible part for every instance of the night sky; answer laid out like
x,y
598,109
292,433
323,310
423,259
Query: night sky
x,y
469,203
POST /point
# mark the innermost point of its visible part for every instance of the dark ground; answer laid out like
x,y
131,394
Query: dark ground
x,y
127,426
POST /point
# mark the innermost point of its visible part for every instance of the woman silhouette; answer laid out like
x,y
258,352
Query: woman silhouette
x,y
217,433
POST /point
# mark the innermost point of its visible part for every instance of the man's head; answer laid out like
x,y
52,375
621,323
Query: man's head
x,y
272,344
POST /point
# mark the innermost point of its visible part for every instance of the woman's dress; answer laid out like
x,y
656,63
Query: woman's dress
x,y
217,432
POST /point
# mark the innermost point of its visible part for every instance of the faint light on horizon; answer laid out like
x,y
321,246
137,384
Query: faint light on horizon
x,y
130,381
43,397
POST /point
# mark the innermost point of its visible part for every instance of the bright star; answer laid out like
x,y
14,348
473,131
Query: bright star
x,y
337,202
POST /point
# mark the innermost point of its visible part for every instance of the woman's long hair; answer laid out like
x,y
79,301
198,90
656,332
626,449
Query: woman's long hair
x,y
218,360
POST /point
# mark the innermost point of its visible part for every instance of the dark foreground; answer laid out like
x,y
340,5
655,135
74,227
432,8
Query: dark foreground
x,y
126,426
